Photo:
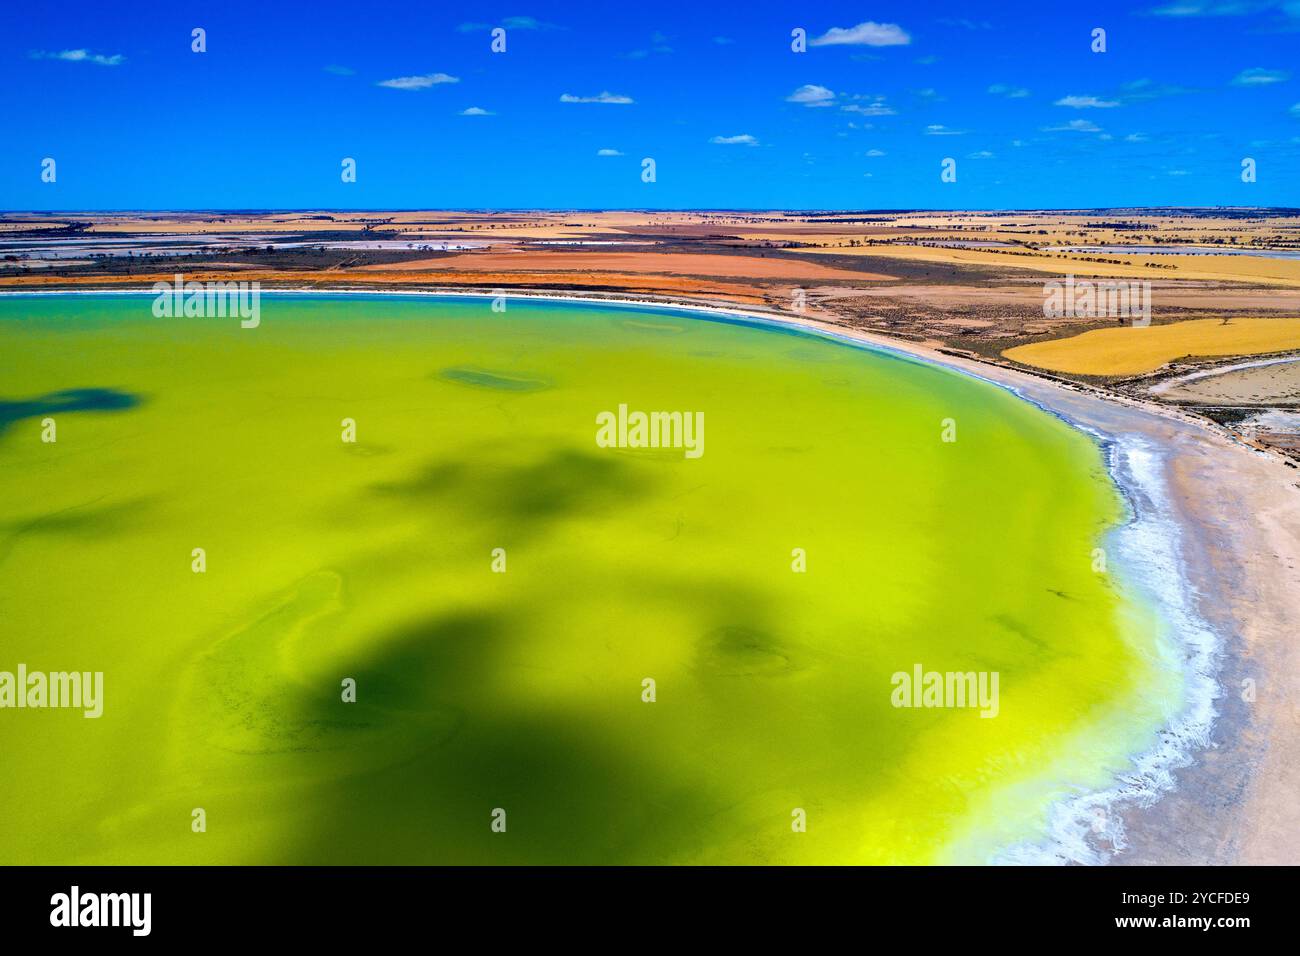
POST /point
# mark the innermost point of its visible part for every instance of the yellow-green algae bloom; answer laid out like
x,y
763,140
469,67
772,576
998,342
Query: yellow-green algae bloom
x,y
638,656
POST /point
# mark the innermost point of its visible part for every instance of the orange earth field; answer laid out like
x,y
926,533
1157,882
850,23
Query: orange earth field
x,y
665,263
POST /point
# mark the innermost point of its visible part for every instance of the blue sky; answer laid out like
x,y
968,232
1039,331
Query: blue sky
x,y
732,117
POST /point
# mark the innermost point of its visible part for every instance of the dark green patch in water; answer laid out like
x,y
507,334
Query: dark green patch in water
x,y
481,378
68,400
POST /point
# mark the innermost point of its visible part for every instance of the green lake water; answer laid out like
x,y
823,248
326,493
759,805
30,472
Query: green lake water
x,y
523,690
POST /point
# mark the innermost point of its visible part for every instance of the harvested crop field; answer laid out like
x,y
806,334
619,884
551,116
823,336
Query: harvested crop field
x,y
1133,350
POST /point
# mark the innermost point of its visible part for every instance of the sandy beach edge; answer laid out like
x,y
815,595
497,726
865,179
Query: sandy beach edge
x,y
1237,516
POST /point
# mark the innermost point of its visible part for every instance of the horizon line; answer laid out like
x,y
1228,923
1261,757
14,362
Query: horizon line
x,y
236,210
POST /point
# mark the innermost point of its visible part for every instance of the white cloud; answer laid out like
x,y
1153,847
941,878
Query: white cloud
x,y
871,106
1086,102
938,129
81,56
659,44
980,154
1074,126
810,94
1010,92
864,34
1219,8
1258,76
875,152
476,111
510,23
608,152
525,23
1295,110
422,82
604,96
1145,89
743,139
1135,138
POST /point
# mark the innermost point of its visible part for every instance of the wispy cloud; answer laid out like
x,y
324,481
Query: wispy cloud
x,y
1074,126
980,154
339,70
659,45
864,34
1145,89
1223,8
810,94
1086,102
869,106
608,152
875,152
510,23
80,56
527,23
743,139
1258,76
938,129
1010,92
602,97
476,111
421,82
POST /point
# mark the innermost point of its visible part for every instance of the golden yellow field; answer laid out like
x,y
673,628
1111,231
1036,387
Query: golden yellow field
x,y
1206,268
1132,350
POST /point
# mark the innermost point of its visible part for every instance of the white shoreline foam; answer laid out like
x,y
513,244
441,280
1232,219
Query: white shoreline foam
x,y
1149,545
1152,540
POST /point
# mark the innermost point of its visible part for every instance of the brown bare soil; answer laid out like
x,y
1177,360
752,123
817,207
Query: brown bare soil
x,y
661,263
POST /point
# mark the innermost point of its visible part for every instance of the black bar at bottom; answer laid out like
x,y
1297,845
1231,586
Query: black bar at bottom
x,y
304,904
